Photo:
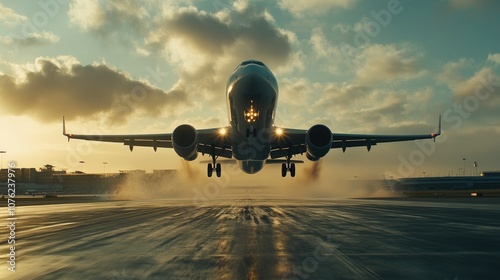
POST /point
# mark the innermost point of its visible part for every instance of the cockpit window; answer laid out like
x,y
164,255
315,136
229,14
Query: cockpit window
x,y
251,62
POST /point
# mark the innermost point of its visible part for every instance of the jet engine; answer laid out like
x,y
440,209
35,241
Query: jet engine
x,y
318,142
185,142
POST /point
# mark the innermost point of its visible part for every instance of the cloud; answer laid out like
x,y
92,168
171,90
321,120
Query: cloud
x,y
9,17
466,4
206,34
332,56
33,39
478,94
341,96
452,71
298,8
467,87
204,47
86,14
494,58
456,75
484,87
387,63
54,87
362,109
296,91
321,46
200,30
109,17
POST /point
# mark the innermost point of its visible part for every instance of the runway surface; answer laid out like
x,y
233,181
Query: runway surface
x,y
258,239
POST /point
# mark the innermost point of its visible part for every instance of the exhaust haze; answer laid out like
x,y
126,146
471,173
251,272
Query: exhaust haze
x,y
314,180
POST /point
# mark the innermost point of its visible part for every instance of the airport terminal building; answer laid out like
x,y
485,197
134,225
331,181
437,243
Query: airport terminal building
x,y
49,181
488,183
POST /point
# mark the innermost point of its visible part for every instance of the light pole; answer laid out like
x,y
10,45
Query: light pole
x,y
1,160
104,166
81,162
475,166
464,165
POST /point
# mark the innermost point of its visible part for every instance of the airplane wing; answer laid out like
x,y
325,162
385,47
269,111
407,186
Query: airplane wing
x,y
209,140
293,141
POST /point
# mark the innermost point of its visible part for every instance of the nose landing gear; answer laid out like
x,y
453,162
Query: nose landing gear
x,y
251,131
214,167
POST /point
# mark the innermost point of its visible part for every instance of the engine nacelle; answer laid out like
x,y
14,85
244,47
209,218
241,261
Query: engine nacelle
x,y
318,142
185,142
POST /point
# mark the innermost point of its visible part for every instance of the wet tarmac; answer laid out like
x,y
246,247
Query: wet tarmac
x,y
265,238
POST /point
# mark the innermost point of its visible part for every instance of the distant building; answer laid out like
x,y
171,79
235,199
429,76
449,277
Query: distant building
x,y
48,180
30,180
490,173
448,183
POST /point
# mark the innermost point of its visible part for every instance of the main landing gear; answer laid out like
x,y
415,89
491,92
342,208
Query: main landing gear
x,y
214,166
285,167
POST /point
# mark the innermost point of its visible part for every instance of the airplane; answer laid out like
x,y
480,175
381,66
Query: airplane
x,y
251,138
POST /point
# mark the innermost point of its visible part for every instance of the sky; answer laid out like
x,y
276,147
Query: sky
x,y
148,66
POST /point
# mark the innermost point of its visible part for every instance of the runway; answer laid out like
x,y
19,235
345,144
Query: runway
x,y
265,238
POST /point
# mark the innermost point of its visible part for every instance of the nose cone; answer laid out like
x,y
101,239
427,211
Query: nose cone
x,y
251,166
252,84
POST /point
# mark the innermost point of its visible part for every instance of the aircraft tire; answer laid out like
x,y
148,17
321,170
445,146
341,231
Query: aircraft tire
x,y
283,170
210,170
218,169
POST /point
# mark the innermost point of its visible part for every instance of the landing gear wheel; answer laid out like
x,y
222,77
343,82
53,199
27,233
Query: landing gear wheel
x,y
214,166
210,170
218,170
285,167
251,132
283,170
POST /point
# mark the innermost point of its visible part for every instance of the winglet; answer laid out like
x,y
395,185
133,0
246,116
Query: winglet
x,y
64,127
439,132
434,135
64,130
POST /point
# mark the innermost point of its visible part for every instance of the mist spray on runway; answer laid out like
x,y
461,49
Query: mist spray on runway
x,y
312,173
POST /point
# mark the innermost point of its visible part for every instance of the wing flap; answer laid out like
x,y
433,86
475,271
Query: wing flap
x,y
352,143
149,143
218,151
288,151
120,138
379,138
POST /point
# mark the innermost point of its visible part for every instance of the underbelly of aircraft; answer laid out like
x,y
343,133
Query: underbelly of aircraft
x,y
251,166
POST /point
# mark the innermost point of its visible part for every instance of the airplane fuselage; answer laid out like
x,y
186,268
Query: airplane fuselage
x,y
252,93
251,138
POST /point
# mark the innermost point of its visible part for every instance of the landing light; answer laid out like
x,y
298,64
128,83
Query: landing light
x,y
251,115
